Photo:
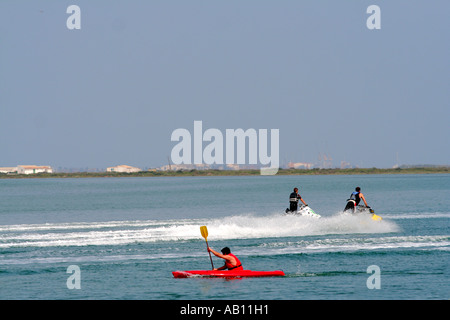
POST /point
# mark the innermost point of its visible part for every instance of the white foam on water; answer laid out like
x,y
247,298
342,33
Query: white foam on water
x,y
440,242
337,233
232,227
248,226
417,215
80,225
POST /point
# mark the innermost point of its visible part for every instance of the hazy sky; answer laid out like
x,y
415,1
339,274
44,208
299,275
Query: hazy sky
x,y
113,92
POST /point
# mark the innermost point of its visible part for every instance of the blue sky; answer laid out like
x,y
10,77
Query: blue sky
x,y
113,92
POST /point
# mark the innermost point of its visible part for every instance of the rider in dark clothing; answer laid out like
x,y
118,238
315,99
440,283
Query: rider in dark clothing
x,y
293,201
354,200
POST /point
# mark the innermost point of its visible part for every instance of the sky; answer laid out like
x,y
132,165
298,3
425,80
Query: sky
x,y
113,91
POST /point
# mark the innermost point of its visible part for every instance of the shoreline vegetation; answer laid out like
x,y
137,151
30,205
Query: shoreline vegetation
x,y
249,172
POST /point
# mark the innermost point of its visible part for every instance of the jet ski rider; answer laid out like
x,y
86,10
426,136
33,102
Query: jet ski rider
x,y
293,201
354,200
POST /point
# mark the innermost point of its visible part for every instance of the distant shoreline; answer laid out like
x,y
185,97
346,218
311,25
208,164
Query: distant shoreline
x,y
217,173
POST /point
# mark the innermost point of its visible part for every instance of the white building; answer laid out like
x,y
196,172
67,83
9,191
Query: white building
x,y
31,169
177,167
123,168
8,169
300,165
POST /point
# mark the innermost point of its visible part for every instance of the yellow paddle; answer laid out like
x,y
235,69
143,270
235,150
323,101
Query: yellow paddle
x,y
204,232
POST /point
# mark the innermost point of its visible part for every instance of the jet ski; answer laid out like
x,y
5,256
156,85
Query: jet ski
x,y
363,209
304,211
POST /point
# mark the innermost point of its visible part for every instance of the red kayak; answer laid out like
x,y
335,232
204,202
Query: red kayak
x,y
226,273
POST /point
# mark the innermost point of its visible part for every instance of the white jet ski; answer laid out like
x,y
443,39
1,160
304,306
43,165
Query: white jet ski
x,y
304,211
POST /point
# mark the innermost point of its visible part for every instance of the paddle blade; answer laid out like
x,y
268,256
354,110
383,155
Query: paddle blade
x,y
204,232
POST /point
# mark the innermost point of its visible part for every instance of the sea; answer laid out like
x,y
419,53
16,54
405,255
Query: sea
x,y
121,238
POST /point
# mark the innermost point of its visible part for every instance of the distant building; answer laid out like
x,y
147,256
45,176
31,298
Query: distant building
x,y
300,165
178,167
123,168
31,169
8,169
232,167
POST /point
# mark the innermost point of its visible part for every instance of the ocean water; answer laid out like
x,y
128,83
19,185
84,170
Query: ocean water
x,y
126,235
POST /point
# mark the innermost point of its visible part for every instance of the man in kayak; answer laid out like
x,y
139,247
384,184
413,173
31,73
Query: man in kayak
x,y
293,201
231,261
354,200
